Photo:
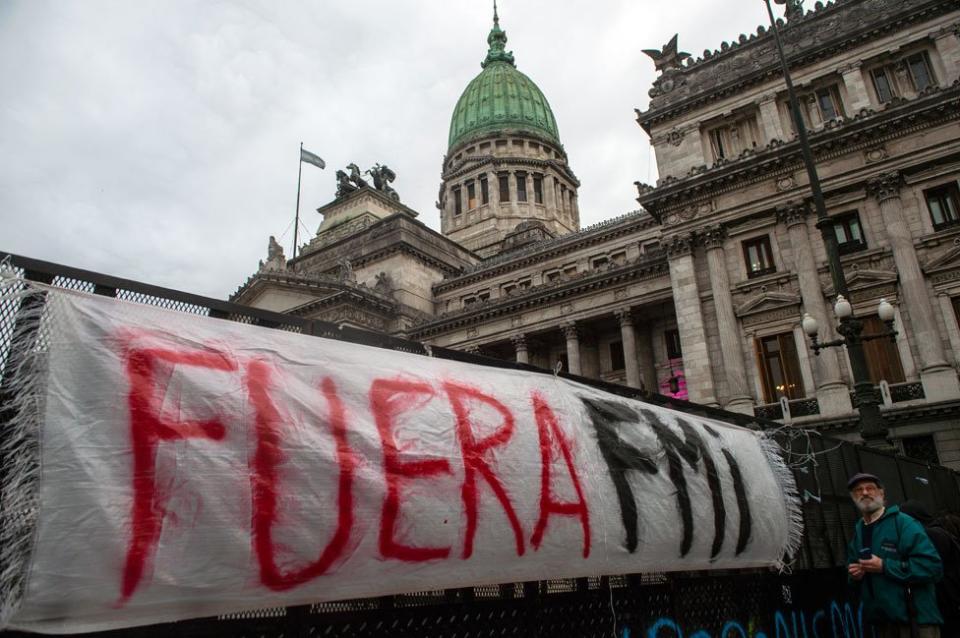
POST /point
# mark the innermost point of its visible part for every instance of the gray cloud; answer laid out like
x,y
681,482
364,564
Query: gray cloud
x,y
159,140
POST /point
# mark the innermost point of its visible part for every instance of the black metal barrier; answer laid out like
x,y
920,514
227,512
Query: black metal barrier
x,y
812,601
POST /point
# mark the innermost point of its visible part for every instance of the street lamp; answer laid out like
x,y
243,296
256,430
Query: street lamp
x,y
865,396
844,312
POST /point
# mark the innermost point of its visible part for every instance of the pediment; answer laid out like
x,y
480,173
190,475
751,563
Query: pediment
x,y
950,258
865,278
767,301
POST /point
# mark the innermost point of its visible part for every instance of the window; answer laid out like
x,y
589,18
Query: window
x,y
883,84
918,65
883,358
616,356
484,191
458,203
471,196
538,189
504,180
779,368
733,136
524,284
848,232
828,102
759,256
563,197
600,262
944,204
521,187
672,339
553,275
570,270
509,289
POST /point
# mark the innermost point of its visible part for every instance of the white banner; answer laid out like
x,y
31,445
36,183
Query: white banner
x,y
193,466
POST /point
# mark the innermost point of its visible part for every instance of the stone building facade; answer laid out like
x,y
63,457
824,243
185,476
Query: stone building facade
x,y
698,294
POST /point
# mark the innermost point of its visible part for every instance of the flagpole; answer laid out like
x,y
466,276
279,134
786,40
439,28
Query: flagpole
x,y
296,217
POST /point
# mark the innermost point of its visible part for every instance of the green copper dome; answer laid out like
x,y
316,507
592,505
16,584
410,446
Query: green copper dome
x,y
501,98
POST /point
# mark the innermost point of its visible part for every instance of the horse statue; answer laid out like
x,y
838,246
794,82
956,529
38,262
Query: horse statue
x,y
355,176
343,184
382,176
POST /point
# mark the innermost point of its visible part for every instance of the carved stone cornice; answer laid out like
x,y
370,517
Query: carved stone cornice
x,y
793,213
570,330
885,186
865,130
752,60
713,237
678,245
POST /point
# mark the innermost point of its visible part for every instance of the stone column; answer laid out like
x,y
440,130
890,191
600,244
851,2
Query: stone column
x,y
856,88
549,192
938,377
833,395
629,337
770,118
512,187
950,321
733,370
947,41
520,345
648,364
493,191
573,346
686,296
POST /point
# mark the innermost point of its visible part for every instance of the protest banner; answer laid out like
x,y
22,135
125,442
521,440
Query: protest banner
x,y
172,466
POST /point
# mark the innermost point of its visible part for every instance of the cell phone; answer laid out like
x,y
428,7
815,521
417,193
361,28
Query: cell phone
x,y
866,553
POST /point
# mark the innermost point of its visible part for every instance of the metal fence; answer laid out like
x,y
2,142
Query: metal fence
x,y
718,603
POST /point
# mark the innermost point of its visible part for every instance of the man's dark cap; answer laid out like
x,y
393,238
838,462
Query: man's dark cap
x,y
860,478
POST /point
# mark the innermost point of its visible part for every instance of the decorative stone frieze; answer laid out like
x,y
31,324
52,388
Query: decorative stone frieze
x,y
885,186
793,213
786,183
875,154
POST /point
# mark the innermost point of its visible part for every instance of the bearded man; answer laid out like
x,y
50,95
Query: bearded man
x,y
895,565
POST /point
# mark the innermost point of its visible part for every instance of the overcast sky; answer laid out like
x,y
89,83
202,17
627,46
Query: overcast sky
x,y
158,140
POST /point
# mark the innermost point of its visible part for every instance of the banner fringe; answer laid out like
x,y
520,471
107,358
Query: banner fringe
x,y
22,395
792,503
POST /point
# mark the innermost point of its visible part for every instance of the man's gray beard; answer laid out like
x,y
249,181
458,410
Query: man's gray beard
x,y
869,506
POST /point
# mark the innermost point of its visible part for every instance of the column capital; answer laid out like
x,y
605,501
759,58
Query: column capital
x,y
793,213
885,186
713,237
678,245
570,330
624,316
472,349
519,341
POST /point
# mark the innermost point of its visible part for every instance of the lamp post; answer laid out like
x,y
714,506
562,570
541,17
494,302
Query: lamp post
x,y
865,396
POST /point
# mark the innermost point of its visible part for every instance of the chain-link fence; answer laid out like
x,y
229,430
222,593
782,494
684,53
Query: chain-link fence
x,y
718,603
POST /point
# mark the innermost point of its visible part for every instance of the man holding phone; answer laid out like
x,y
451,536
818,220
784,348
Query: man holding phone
x,y
895,565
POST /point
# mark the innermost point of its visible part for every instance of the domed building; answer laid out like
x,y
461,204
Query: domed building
x,y
506,181
699,294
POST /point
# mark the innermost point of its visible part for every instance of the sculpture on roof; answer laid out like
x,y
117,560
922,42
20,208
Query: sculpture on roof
x,y
669,58
382,176
793,8
276,260
343,184
355,176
